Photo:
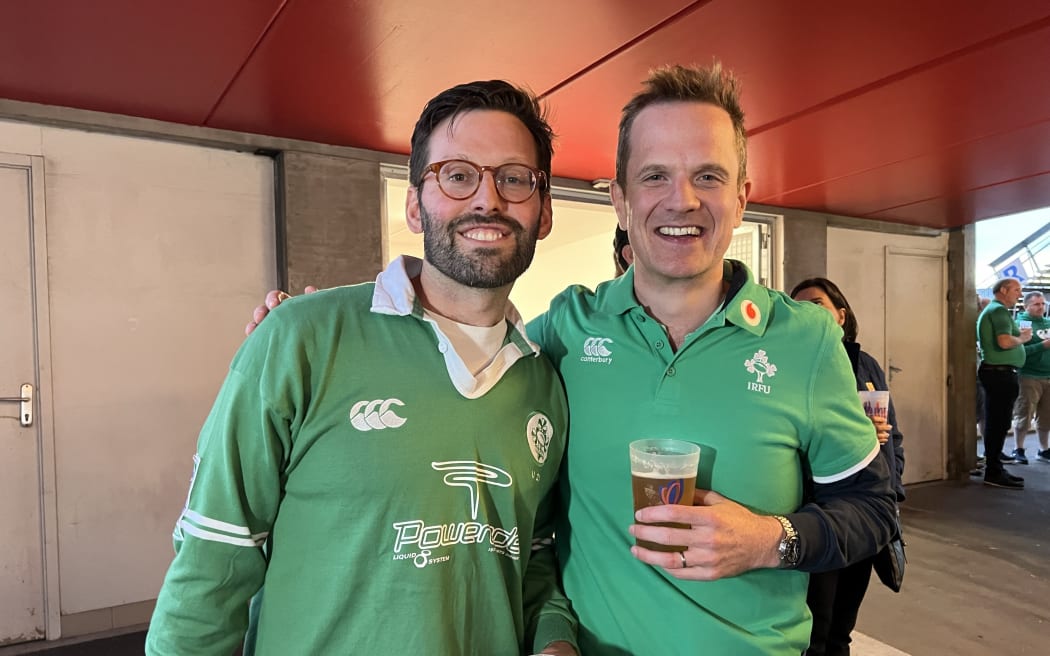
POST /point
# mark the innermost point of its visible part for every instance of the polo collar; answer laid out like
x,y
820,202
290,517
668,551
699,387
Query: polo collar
x,y
747,303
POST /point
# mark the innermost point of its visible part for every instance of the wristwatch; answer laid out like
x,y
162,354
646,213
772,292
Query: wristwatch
x,y
788,549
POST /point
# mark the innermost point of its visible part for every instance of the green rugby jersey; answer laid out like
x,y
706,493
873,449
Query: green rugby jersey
x,y
762,384
384,511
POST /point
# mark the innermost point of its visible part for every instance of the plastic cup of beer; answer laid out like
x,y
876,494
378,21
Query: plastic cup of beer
x,y
876,404
663,471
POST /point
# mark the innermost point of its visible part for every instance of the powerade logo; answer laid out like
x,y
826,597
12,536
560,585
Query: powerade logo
x,y
416,540
596,349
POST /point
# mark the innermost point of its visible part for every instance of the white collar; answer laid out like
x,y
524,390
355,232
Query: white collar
x,y
395,295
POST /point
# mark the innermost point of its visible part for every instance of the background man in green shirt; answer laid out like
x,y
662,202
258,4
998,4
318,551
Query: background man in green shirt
x,y
1002,352
1034,380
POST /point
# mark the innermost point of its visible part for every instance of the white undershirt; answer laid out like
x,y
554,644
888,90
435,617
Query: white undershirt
x,y
475,345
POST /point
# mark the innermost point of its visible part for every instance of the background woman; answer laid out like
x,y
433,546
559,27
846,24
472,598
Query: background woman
x,y
835,597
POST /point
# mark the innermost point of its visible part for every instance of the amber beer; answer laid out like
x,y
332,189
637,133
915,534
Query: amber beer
x,y
663,471
657,492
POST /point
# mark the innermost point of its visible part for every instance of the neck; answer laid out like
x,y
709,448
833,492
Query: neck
x,y
680,305
470,305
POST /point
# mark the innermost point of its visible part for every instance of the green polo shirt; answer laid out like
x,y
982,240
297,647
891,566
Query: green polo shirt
x,y
763,384
995,320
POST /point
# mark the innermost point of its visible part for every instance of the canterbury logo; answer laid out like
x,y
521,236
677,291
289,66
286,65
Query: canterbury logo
x,y
596,346
470,474
366,415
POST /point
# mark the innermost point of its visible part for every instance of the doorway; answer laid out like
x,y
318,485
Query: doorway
x,y
25,446
915,357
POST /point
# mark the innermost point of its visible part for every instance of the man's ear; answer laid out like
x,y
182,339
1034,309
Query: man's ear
x,y
546,217
412,215
619,203
742,196
628,254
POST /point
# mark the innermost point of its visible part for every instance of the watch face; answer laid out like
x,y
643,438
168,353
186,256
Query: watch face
x,y
789,551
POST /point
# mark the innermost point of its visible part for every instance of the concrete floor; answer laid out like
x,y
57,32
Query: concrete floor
x,y
977,581
978,574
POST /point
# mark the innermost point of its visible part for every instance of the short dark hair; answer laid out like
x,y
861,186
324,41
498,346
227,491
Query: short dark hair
x,y
496,95
838,299
677,83
1030,295
1003,282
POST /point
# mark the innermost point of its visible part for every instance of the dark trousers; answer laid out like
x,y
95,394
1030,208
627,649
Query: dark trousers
x,y
1000,392
834,599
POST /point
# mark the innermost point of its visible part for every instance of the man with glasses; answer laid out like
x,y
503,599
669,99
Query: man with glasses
x,y
382,456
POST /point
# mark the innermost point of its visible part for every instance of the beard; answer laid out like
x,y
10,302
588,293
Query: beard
x,y
485,268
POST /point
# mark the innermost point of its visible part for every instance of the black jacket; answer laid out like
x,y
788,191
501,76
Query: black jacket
x,y
867,369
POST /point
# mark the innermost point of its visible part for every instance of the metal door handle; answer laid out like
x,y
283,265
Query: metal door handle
x,y
25,415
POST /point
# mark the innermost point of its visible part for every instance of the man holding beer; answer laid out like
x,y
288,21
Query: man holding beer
x,y
697,351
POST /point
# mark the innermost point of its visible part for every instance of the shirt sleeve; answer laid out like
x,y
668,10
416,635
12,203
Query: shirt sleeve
x,y
220,536
548,613
1002,323
1034,346
851,505
847,520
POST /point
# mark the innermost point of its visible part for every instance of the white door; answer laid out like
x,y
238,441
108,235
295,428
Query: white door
x,y
23,614
915,357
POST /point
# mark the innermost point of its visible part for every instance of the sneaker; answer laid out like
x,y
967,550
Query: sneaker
x,y
1043,455
1004,480
1005,457
1019,457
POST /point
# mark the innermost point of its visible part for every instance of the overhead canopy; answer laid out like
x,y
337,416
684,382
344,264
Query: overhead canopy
x,y
925,112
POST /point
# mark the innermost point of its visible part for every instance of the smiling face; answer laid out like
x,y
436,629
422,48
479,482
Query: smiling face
x,y
682,197
481,241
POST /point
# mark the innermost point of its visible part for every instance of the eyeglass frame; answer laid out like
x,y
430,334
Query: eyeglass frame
x,y
540,176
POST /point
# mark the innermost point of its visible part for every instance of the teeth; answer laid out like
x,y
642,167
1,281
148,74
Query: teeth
x,y
680,232
483,235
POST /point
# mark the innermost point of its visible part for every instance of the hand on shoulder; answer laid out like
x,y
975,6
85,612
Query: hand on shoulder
x,y
274,297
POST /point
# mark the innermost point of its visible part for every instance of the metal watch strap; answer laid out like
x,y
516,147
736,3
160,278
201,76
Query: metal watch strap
x,y
788,549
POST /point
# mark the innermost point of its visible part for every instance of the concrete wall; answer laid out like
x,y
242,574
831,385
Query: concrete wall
x,y
330,220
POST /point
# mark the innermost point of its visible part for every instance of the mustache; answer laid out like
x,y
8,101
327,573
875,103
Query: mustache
x,y
468,220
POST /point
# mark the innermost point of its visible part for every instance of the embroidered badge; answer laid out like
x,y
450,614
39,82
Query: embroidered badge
x,y
752,315
760,365
539,433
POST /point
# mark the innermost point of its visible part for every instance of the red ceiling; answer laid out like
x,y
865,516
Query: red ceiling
x,y
927,112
